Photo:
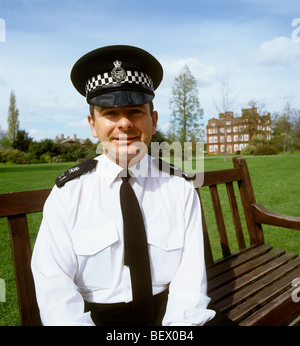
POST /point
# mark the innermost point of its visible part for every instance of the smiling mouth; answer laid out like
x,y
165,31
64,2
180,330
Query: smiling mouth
x,y
126,139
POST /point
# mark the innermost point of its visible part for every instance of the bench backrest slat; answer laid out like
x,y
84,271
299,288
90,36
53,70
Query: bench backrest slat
x,y
21,250
235,216
23,202
220,220
207,247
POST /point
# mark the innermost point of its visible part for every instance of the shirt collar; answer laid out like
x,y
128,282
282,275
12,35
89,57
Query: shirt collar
x,y
110,171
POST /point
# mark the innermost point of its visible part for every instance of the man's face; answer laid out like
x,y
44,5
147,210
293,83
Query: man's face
x,y
121,130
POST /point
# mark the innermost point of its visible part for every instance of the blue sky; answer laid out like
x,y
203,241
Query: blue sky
x,y
249,41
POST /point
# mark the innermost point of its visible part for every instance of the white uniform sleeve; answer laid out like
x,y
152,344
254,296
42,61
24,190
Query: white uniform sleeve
x,y
54,265
188,300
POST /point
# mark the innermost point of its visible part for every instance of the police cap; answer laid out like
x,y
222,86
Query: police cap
x,y
115,76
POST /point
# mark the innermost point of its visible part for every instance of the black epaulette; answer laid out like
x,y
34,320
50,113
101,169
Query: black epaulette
x,y
171,169
76,171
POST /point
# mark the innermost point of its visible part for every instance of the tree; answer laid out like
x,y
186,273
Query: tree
x,y
12,118
22,141
224,106
185,106
286,128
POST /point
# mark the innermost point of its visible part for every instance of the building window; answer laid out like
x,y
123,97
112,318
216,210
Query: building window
x,y
236,138
211,148
246,138
235,129
236,147
228,138
222,130
210,131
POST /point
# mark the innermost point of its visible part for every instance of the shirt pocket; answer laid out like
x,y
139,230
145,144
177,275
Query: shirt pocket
x,y
165,249
95,249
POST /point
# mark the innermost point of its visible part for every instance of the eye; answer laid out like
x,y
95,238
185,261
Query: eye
x,y
135,112
109,113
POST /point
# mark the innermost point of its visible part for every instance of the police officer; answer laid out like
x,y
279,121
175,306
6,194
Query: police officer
x,y
89,263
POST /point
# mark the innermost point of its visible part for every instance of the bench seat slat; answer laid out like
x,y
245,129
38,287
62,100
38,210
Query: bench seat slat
x,y
237,260
228,297
274,312
243,269
242,311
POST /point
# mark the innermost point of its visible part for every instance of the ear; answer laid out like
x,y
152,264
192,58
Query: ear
x,y
92,126
154,122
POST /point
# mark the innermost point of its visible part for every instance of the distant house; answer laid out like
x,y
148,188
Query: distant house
x,y
69,141
234,133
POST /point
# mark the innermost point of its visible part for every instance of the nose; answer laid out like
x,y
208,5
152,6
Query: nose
x,y
125,123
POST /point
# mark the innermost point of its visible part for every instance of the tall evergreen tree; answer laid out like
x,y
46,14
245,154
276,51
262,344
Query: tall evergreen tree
x,y
185,106
12,119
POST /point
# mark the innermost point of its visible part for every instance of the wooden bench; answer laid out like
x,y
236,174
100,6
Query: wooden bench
x,y
252,286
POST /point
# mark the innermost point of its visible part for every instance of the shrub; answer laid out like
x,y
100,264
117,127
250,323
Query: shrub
x,y
249,150
266,150
11,156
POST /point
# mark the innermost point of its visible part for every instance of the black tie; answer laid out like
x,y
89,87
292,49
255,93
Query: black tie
x,y
136,252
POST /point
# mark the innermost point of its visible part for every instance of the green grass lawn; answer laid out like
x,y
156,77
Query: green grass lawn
x,y
275,181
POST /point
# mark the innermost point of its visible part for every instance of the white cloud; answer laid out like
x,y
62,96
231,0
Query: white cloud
x,y
205,74
281,51
39,134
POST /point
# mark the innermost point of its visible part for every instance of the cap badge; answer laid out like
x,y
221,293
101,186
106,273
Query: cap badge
x,y
118,73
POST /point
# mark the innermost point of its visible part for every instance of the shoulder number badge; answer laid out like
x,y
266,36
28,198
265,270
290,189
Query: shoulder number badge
x,y
118,73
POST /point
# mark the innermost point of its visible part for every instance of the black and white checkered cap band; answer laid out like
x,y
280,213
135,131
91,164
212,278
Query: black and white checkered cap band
x,y
106,79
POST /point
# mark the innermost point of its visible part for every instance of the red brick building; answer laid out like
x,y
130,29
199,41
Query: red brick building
x,y
235,133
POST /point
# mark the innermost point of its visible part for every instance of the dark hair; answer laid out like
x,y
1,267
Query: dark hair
x,y
93,114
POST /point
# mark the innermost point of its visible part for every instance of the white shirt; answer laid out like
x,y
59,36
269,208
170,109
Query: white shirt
x,y
78,254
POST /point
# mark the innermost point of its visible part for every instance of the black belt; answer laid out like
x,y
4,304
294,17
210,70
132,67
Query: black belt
x,y
121,314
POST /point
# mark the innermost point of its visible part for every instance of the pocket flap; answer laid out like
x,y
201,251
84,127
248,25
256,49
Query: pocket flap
x,y
170,238
92,240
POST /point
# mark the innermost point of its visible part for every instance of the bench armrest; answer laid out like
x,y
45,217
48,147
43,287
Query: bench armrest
x,y
265,216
